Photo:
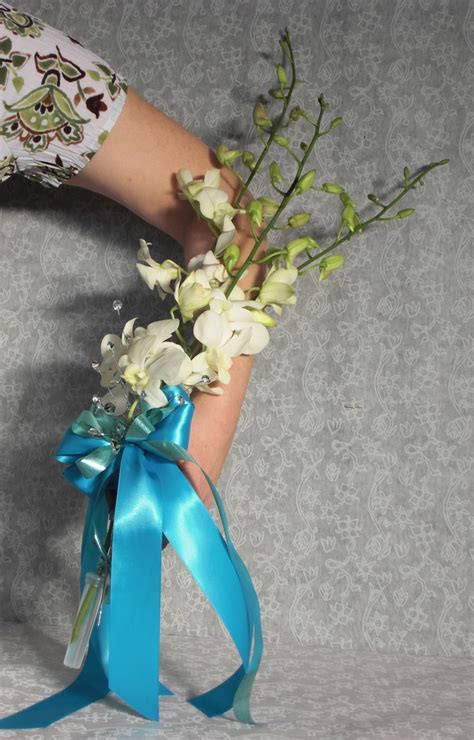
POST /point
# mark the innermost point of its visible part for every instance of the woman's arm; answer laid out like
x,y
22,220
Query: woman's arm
x,y
136,167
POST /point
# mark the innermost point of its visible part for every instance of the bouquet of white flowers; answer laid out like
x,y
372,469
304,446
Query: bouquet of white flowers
x,y
122,451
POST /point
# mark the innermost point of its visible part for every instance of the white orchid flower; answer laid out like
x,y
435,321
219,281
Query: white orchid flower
x,y
276,288
112,348
193,293
150,361
241,313
156,274
226,333
212,267
212,202
202,376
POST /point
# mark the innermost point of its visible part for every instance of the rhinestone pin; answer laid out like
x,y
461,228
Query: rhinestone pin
x,y
117,305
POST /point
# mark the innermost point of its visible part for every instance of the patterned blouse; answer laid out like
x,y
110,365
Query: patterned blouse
x,y
58,99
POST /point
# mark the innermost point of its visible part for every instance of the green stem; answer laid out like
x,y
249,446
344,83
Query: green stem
x,y
184,343
362,226
244,187
132,409
82,613
287,197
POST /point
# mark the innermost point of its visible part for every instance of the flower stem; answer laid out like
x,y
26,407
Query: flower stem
x,y
132,409
287,197
364,224
244,187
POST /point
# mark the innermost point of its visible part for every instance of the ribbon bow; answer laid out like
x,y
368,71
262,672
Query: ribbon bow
x,y
153,498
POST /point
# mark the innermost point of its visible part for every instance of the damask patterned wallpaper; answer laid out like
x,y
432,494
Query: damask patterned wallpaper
x,y
349,484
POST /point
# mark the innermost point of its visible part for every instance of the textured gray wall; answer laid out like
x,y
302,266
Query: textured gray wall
x,y
348,484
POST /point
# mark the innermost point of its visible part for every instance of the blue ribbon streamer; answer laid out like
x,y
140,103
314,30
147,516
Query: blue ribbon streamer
x,y
153,498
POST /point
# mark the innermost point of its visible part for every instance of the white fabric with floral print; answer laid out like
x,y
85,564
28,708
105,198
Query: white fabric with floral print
x,y
59,100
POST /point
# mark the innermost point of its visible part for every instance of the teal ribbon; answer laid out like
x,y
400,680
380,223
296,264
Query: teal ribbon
x,y
153,498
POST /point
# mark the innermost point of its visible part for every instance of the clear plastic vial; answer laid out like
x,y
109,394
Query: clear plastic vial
x,y
89,605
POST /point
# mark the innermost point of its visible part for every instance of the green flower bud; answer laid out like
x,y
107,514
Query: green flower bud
x,y
331,187
346,199
373,198
305,182
255,212
299,219
261,316
348,217
230,256
406,173
225,155
281,140
405,212
269,206
296,246
285,48
281,74
193,188
329,264
260,115
322,102
296,113
335,122
276,92
248,159
275,174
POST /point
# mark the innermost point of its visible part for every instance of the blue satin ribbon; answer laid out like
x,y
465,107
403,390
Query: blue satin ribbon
x,y
153,497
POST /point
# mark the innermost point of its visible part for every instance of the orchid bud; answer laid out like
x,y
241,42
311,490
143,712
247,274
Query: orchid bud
x,y
296,113
281,140
285,48
348,217
329,264
281,74
335,122
323,102
225,155
405,212
296,246
346,199
248,159
373,198
275,174
191,296
230,256
270,206
299,219
262,317
305,182
260,115
255,212
276,92
331,187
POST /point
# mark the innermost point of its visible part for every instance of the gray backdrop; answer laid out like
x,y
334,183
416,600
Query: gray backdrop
x,y
348,483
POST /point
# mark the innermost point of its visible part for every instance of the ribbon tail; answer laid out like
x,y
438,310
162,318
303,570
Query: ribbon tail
x,y
88,687
241,697
134,637
236,690
199,544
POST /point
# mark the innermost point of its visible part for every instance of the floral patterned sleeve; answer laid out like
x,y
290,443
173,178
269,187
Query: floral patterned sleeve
x,y
58,99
